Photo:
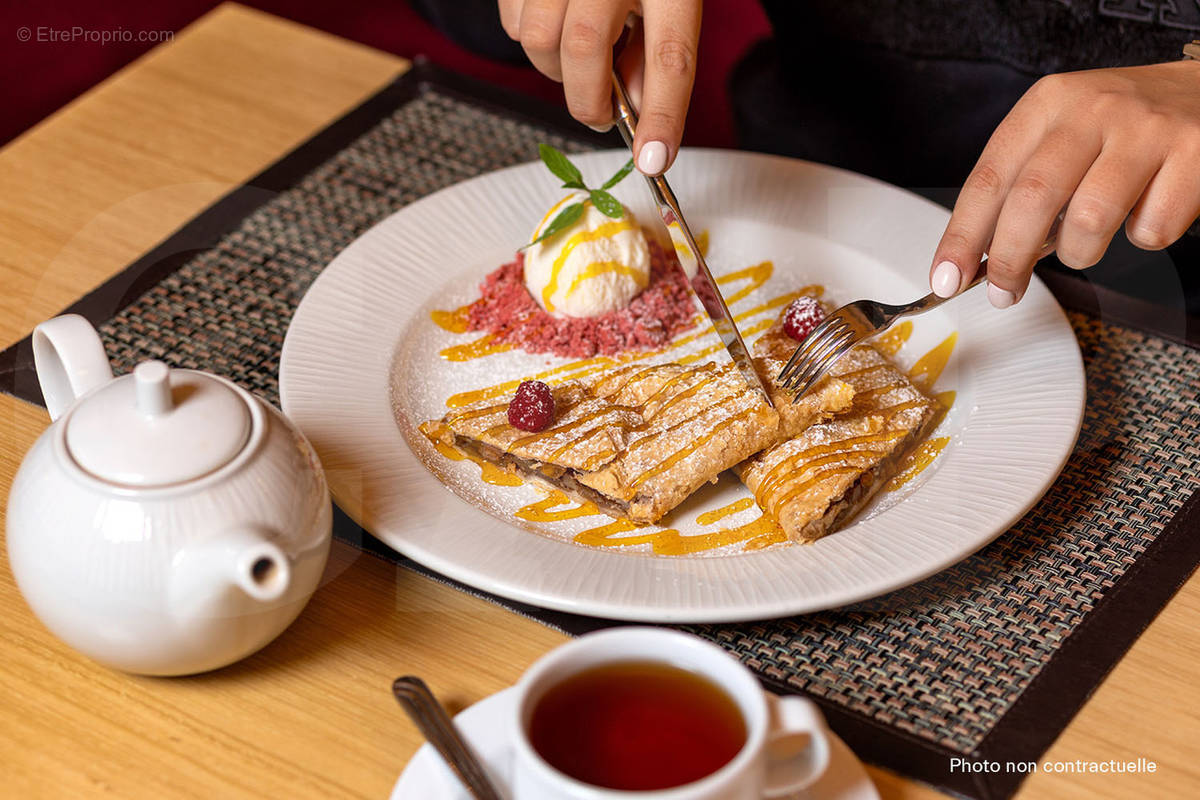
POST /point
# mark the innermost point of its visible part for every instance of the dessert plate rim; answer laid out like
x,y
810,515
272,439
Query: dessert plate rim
x,y
1023,366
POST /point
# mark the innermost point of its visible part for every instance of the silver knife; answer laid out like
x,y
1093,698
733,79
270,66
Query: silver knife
x,y
689,254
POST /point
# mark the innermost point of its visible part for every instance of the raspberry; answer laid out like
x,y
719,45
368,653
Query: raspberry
x,y
802,315
532,407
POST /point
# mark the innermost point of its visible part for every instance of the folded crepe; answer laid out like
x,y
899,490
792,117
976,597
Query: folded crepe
x,y
641,439
818,479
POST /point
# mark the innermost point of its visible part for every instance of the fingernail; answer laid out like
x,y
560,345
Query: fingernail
x,y
601,128
1000,298
653,158
946,279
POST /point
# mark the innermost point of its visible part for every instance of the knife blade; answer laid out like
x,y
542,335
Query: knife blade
x,y
690,257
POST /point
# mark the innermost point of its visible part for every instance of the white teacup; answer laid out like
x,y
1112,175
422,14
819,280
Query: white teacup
x,y
786,747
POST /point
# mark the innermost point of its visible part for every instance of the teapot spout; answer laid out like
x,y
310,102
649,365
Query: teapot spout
x,y
229,574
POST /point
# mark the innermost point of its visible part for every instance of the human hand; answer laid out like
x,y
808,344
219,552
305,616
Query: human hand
x,y
1102,144
572,42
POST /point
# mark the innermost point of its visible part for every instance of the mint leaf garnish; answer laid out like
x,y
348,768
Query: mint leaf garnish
x,y
560,165
619,176
608,205
566,218
572,178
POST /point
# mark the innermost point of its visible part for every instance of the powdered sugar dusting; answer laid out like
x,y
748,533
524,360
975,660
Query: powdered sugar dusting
x,y
423,384
532,407
802,316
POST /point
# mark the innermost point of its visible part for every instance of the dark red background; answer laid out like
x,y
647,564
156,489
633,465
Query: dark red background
x,y
40,77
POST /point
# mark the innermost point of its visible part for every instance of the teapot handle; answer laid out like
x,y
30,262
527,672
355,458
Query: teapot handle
x,y
70,361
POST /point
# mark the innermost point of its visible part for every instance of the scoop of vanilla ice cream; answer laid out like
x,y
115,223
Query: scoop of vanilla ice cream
x,y
592,267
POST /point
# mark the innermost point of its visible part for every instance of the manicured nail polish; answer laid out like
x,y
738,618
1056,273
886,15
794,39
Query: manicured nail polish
x,y
946,279
653,158
1000,298
601,128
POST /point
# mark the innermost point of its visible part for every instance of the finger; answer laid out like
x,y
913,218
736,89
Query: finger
x,y
672,34
541,33
1170,204
510,18
1104,198
631,64
1039,193
589,32
956,259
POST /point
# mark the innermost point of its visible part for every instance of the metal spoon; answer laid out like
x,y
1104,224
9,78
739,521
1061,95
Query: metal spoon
x,y
431,719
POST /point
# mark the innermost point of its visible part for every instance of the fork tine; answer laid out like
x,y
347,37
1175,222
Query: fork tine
x,y
820,369
816,365
805,350
801,348
816,354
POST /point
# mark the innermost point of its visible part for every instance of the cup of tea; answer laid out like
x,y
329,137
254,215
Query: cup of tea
x,y
645,713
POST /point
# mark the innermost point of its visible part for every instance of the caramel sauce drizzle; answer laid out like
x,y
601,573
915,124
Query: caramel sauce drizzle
x,y
924,454
929,366
566,372
479,412
669,542
847,462
757,275
826,474
946,401
488,472
675,458
484,346
600,267
757,327
605,230
706,371
854,373
889,343
600,458
555,430
786,468
917,461
782,478
737,506
769,533
761,532
541,510
454,321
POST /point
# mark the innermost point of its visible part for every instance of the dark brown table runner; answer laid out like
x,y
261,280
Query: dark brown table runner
x,y
989,659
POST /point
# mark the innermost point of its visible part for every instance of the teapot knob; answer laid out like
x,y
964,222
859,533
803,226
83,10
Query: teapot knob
x,y
70,361
153,381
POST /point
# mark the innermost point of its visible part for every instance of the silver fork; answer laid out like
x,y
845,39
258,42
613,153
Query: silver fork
x,y
853,323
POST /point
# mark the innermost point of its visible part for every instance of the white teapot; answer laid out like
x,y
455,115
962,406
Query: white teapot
x,y
167,522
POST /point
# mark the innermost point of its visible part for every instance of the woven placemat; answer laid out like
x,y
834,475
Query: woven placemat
x,y
987,660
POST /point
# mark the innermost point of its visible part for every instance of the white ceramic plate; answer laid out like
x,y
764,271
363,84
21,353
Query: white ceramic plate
x,y
1016,374
428,778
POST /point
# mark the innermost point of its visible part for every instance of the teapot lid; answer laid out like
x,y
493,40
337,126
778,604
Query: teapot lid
x,y
157,427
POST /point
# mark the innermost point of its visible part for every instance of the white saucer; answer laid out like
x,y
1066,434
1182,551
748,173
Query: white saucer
x,y
428,778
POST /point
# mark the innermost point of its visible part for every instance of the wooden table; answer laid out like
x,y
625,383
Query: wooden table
x,y
100,182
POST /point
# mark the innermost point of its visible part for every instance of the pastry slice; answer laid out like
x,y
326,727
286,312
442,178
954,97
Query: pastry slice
x,y
817,480
636,442
830,396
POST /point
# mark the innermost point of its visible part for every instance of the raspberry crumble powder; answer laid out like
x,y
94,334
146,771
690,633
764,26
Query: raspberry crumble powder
x,y
653,318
